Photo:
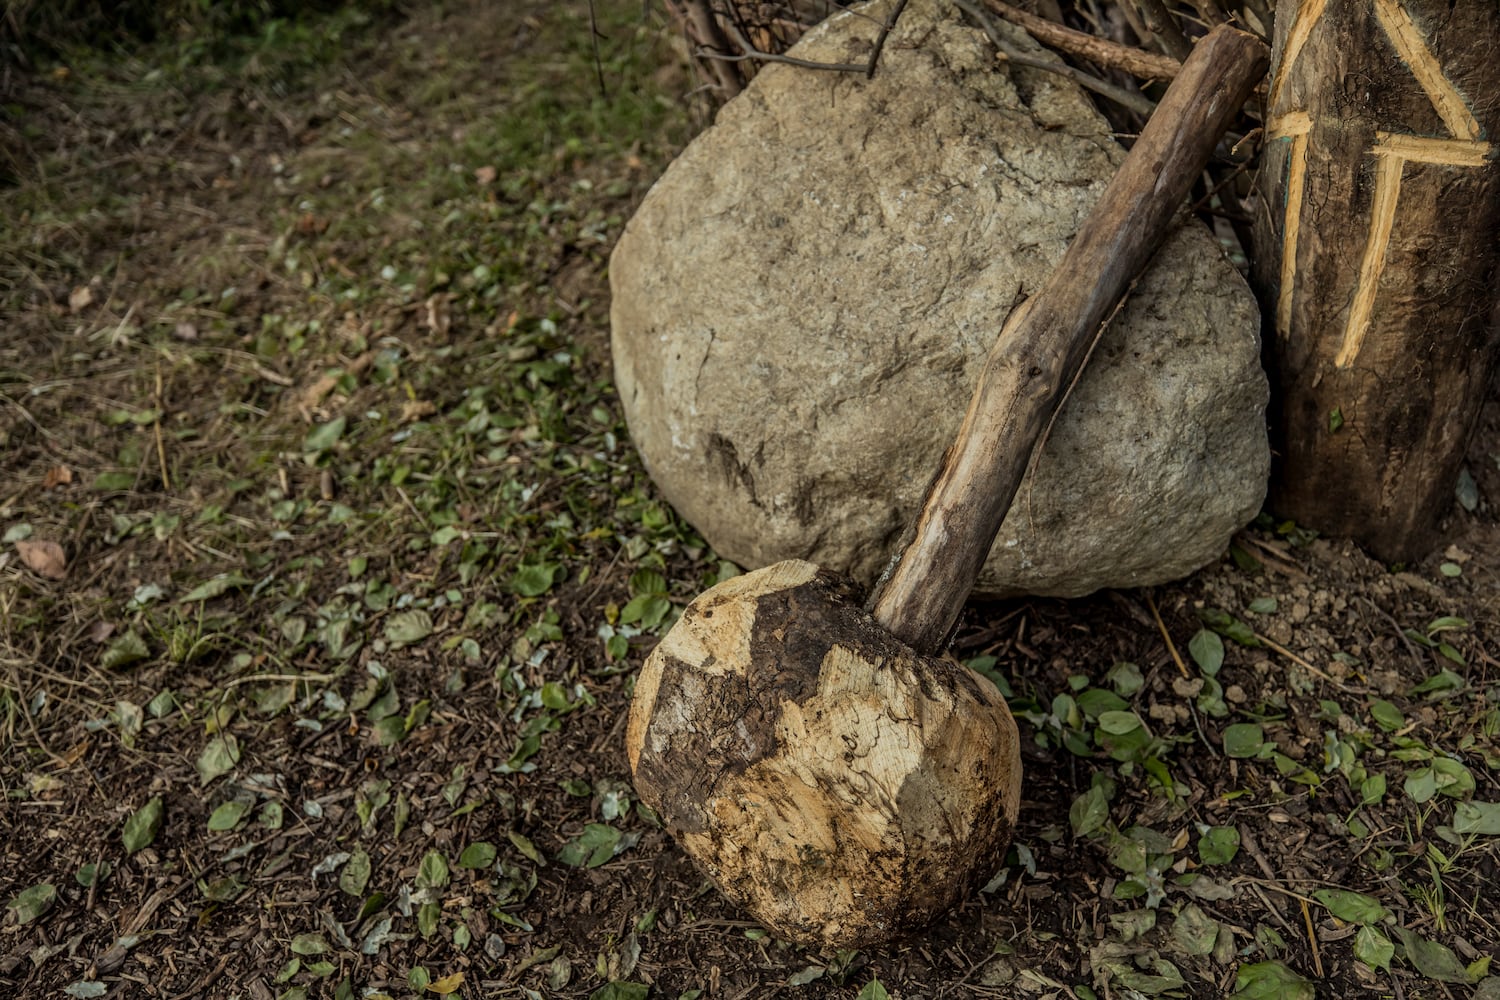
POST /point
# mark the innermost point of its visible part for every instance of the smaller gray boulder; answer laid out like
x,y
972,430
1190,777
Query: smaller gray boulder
x,y
802,304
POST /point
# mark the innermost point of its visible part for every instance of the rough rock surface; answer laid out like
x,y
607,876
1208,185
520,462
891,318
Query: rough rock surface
x,y
802,304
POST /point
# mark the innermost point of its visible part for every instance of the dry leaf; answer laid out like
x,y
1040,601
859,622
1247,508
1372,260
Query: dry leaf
x,y
485,175
80,298
58,475
446,985
309,398
416,409
311,225
43,558
436,317
100,631
185,331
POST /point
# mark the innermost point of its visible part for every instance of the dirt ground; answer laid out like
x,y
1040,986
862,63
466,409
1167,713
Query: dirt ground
x,y
327,568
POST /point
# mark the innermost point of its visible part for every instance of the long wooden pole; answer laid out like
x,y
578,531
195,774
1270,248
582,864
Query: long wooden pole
x,y
1044,342
1376,253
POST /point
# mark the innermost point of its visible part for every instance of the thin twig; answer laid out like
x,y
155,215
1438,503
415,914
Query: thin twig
x,y
1041,442
275,678
1279,648
1224,182
885,32
594,37
750,52
161,447
700,24
1312,939
1400,633
771,57
1211,13
1171,646
1164,28
1102,51
1131,99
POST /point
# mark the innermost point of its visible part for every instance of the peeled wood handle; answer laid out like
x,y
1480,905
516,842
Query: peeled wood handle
x,y
1043,343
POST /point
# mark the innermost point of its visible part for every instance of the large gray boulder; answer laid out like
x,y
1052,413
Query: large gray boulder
x,y
802,304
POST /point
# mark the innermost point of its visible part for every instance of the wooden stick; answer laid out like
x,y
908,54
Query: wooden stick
x,y
1136,62
1044,341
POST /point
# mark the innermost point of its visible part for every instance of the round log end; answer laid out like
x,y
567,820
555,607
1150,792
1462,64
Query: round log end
x,y
838,785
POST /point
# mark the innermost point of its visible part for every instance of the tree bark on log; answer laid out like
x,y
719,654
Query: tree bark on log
x,y
1376,249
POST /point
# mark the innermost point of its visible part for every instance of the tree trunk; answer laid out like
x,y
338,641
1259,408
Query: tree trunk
x,y
1376,245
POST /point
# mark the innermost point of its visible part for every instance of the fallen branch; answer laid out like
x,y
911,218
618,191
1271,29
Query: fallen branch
x,y
749,52
1100,51
1164,27
1131,99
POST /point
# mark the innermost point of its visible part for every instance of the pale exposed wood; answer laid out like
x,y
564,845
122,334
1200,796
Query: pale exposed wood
x,y
1376,238
1043,342
831,781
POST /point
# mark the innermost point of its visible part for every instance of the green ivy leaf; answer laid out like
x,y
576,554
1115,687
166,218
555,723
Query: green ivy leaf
x,y
1207,650
123,651
215,587
526,847
592,848
1351,907
1195,931
1218,845
324,436
1387,716
1244,740
534,580
143,826
309,944
92,874
1270,981
228,815
406,627
1119,723
1125,678
218,758
1453,778
477,855
1089,812
28,904
221,890
1431,959
355,875
621,991
1373,948
1229,626
433,872
1477,817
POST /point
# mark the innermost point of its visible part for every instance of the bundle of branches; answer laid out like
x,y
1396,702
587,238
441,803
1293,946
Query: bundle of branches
x,y
1124,51
1139,40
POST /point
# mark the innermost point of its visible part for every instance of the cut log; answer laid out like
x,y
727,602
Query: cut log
x,y
831,781
1375,248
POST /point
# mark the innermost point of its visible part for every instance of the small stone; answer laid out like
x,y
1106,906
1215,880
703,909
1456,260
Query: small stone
x,y
1187,687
